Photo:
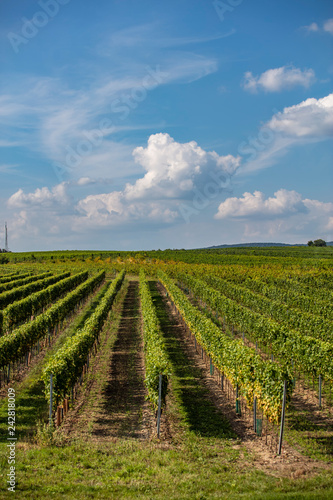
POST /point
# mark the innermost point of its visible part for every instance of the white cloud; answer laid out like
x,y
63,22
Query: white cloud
x,y
310,118
283,203
275,80
284,217
309,121
328,26
173,168
84,181
40,197
173,172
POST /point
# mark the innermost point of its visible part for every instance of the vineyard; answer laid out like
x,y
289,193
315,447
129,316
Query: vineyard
x,y
180,370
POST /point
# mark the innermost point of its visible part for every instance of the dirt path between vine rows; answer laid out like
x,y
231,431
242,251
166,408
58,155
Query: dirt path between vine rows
x,y
112,403
291,463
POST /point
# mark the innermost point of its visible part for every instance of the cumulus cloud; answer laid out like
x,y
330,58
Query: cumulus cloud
x,y
311,118
283,203
173,172
286,216
43,197
277,79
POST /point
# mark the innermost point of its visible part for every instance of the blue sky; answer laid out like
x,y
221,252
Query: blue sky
x,y
141,125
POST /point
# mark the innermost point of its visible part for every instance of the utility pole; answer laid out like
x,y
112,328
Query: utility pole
x,y
6,238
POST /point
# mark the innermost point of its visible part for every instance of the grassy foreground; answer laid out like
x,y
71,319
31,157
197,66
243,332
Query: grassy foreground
x,y
196,468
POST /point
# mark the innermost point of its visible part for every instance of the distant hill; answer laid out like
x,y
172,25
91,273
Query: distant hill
x,y
239,245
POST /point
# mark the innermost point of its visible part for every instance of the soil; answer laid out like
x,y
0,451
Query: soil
x,y
290,463
113,404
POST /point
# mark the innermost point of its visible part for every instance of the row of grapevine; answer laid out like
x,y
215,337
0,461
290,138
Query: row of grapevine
x,y
67,363
284,282
294,299
291,279
12,276
245,369
310,355
20,292
156,359
22,281
293,318
322,280
311,299
21,310
16,344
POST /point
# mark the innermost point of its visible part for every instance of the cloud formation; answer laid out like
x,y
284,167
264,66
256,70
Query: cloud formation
x,y
42,198
282,204
278,79
174,171
311,118
286,216
74,128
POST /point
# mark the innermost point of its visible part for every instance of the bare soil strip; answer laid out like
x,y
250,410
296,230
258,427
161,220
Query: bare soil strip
x,y
112,404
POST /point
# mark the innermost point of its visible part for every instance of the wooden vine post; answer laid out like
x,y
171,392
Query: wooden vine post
x,y
159,405
283,416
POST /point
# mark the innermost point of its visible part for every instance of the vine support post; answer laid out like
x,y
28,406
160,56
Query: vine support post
x,y
320,390
159,405
211,366
238,409
283,416
255,414
51,398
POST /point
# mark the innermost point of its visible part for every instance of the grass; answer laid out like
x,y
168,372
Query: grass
x,y
193,469
307,436
203,459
